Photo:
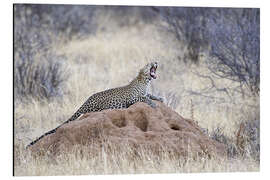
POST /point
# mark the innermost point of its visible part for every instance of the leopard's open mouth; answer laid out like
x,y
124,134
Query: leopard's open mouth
x,y
153,71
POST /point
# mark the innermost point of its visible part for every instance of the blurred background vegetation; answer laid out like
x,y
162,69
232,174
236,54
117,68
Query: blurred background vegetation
x,y
230,35
209,65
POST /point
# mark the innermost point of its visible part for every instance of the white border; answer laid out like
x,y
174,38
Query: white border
x,y
6,82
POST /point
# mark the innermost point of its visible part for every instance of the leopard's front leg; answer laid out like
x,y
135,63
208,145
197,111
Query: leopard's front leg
x,y
155,97
148,101
144,99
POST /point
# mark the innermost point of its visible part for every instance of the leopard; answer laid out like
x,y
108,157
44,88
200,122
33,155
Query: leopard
x,y
118,98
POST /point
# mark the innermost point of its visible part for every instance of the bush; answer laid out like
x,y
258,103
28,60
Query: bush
x,y
232,36
41,78
68,20
38,72
248,138
189,26
246,143
230,144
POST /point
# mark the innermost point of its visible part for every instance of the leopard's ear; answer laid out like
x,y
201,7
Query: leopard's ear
x,y
144,69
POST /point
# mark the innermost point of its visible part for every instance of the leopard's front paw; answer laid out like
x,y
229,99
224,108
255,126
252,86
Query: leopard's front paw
x,y
153,105
161,99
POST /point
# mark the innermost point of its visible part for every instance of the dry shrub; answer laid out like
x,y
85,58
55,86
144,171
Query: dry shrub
x,y
218,135
245,144
40,78
38,71
248,139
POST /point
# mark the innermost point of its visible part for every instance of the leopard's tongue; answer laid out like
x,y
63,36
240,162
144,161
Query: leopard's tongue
x,y
153,73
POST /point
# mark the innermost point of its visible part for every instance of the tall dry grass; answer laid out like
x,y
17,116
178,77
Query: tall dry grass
x,y
111,58
114,159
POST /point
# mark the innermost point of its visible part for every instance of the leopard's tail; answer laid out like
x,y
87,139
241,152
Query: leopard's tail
x,y
47,133
72,118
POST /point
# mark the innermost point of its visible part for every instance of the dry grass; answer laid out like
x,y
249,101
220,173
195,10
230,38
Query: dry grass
x,y
114,159
110,59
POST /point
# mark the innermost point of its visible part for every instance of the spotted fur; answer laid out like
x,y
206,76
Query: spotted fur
x,y
118,98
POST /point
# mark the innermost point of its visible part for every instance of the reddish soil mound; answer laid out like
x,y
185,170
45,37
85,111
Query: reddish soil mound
x,y
139,125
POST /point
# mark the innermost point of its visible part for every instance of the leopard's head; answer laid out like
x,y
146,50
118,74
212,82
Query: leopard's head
x,y
148,72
